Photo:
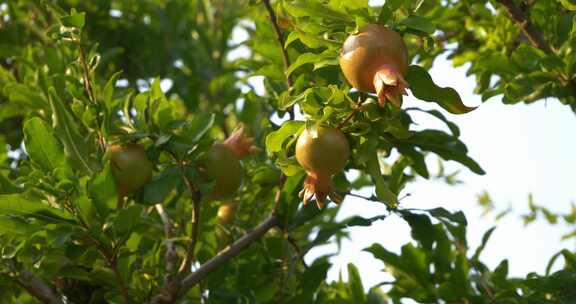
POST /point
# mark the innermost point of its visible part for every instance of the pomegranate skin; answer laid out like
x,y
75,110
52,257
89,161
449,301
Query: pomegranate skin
x,y
224,167
326,154
130,167
374,60
321,156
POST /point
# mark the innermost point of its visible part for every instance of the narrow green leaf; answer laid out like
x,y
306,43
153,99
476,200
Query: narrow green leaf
x,y
102,191
75,145
382,190
17,204
419,23
199,126
356,288
424,88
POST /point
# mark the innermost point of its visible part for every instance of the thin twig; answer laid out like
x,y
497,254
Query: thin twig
x,y
196,198
285,57
90,91
112,263
37,288
357,107
170,256
280,37
297,249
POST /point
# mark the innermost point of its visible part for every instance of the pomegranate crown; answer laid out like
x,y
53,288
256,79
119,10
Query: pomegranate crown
x,y
241,144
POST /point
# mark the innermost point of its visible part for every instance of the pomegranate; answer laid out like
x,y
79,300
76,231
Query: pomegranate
x,y
240,144
227,212
322,155
130,167
225,169
374,60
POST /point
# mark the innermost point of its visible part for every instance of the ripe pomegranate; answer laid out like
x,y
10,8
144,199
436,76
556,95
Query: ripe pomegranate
x,y
130,167
374,60
227,212
322,155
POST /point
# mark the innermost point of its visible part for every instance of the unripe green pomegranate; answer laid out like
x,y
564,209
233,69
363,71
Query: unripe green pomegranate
x,y
321,155
224,167
227,212
130,167
375,60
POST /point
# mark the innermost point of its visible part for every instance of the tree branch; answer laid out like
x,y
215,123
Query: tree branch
x,y
280,37
121,284
196,198
177,291
37,288
534,36
227,254
527,27
285,57
170,255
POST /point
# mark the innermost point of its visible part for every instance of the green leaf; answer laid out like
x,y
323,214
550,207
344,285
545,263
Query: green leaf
x,y
275,140
328,57
356,288
128,219
42,146
108,92
75,19
12,225
302,8
376,296
485,239
456,217
424,88
161,185
75,145
569,4
446,146
382,190
419,23
17,204
452,126
199,126
102,191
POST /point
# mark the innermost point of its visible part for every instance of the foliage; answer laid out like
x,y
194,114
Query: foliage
x,y
79,76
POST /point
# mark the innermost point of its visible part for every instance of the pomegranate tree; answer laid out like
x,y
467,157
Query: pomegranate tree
x,y
375,60
322,152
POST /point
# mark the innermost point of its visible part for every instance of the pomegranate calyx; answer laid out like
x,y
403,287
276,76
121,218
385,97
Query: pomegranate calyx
x,y
389,85
241,144
319,187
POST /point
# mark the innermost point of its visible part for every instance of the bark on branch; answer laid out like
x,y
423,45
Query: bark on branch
x,y
534,36
178,290
37,288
